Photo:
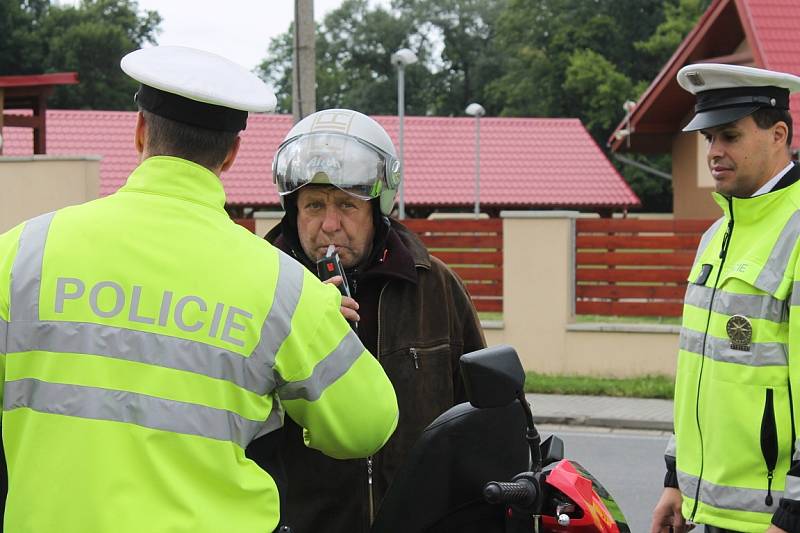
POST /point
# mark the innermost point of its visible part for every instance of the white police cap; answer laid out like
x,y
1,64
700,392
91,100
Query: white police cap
x,y
726,93
196,87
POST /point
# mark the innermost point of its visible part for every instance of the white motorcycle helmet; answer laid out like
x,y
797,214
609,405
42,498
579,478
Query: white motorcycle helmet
x,y
339,147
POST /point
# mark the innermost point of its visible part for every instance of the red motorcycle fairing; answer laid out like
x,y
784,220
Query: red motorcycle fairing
x,y
591,499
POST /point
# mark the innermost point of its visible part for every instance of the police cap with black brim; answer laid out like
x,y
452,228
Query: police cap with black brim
x,y
727,93
196,87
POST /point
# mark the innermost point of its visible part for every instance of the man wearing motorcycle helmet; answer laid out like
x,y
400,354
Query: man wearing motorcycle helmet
x,y
337,175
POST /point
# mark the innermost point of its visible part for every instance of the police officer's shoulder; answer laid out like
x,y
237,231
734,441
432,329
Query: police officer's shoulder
x,y
196,87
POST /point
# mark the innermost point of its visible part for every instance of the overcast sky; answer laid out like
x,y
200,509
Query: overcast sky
x,y
237,29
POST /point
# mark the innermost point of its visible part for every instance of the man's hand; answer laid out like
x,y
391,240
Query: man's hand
x,y
349,306
775,529
667,516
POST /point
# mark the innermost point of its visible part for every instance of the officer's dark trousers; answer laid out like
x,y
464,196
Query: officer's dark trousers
x,y
713,529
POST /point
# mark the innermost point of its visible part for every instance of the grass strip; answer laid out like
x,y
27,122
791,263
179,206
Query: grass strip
x,y
649,386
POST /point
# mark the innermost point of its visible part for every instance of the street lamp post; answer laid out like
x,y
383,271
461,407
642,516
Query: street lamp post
x,y
401,59
477,111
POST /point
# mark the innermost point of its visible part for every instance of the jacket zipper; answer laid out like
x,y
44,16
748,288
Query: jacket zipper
x,y
769,442
415,357
726,240
369,488
370,491
413,353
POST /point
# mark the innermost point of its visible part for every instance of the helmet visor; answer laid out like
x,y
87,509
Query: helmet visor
x,y
355,167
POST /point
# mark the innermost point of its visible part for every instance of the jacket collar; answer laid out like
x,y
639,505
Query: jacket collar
x,y
758,207
177,178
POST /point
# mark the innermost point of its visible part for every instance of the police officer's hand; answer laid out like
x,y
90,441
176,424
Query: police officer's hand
x,y
775,529
667,517
349,306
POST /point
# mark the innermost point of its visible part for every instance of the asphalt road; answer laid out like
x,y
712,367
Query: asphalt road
x,y
630,464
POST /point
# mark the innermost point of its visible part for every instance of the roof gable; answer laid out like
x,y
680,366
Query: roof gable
x,y
758,33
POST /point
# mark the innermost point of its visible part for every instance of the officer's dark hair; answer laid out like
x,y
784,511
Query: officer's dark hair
x,y
205,147
766,117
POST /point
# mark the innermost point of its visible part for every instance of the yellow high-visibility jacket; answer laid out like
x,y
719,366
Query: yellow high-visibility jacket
x,y
145,340
737,396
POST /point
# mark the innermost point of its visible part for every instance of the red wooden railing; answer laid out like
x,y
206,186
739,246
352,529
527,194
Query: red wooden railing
x,y
473,249
633,267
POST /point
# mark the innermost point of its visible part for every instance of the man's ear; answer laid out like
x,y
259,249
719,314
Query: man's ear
x,y
780,132
229,159
139,136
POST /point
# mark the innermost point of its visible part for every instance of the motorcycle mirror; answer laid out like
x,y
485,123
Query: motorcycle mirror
x,y
493,377
552,450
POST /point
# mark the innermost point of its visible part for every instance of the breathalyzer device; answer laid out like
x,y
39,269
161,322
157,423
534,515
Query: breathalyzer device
x,y
330,266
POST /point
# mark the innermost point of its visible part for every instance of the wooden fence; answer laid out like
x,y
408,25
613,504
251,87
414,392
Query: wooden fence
x,y
473,249
634,267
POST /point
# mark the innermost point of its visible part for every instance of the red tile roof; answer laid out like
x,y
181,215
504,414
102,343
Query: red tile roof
x,y
525,162
776,41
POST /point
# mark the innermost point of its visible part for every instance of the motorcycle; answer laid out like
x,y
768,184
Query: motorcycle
x,y
447,484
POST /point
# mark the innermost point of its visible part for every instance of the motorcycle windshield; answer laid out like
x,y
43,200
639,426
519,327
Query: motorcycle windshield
x,y
605,496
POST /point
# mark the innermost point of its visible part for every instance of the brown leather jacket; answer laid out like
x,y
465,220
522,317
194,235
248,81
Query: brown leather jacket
x,y
417,318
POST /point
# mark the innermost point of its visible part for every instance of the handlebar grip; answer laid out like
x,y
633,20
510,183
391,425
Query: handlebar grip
x,y
509,492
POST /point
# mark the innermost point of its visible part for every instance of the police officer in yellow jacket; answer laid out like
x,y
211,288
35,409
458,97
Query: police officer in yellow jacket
x,y
146,339
734,461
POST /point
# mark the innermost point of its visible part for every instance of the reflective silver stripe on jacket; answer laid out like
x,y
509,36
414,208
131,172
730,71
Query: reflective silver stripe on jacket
x,y
278,324
327,371
771,276
25,332
670,451
722,497
760,354
705,240
26,272
141,347
759,306
795,298
792,488
3,334
274,420
130,407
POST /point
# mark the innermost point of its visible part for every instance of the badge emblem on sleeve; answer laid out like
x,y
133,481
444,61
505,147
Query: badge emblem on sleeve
x,y
740,331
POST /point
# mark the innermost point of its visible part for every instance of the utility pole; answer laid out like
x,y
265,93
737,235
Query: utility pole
x,y
304,82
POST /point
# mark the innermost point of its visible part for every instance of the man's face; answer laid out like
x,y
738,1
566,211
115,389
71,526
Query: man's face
x,y
327,215
741,156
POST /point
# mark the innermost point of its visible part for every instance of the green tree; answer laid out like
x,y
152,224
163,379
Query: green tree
x,y
353,45
546,58
597,86
544,40
20,49
452,39
89,38
679,19
465,32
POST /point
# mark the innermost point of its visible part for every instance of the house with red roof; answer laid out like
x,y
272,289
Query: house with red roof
x,y
755,33
525,163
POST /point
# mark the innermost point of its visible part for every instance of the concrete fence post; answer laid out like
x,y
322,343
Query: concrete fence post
x,y
538,286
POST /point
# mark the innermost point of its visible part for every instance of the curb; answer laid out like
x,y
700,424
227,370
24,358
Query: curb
x,y
613,423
